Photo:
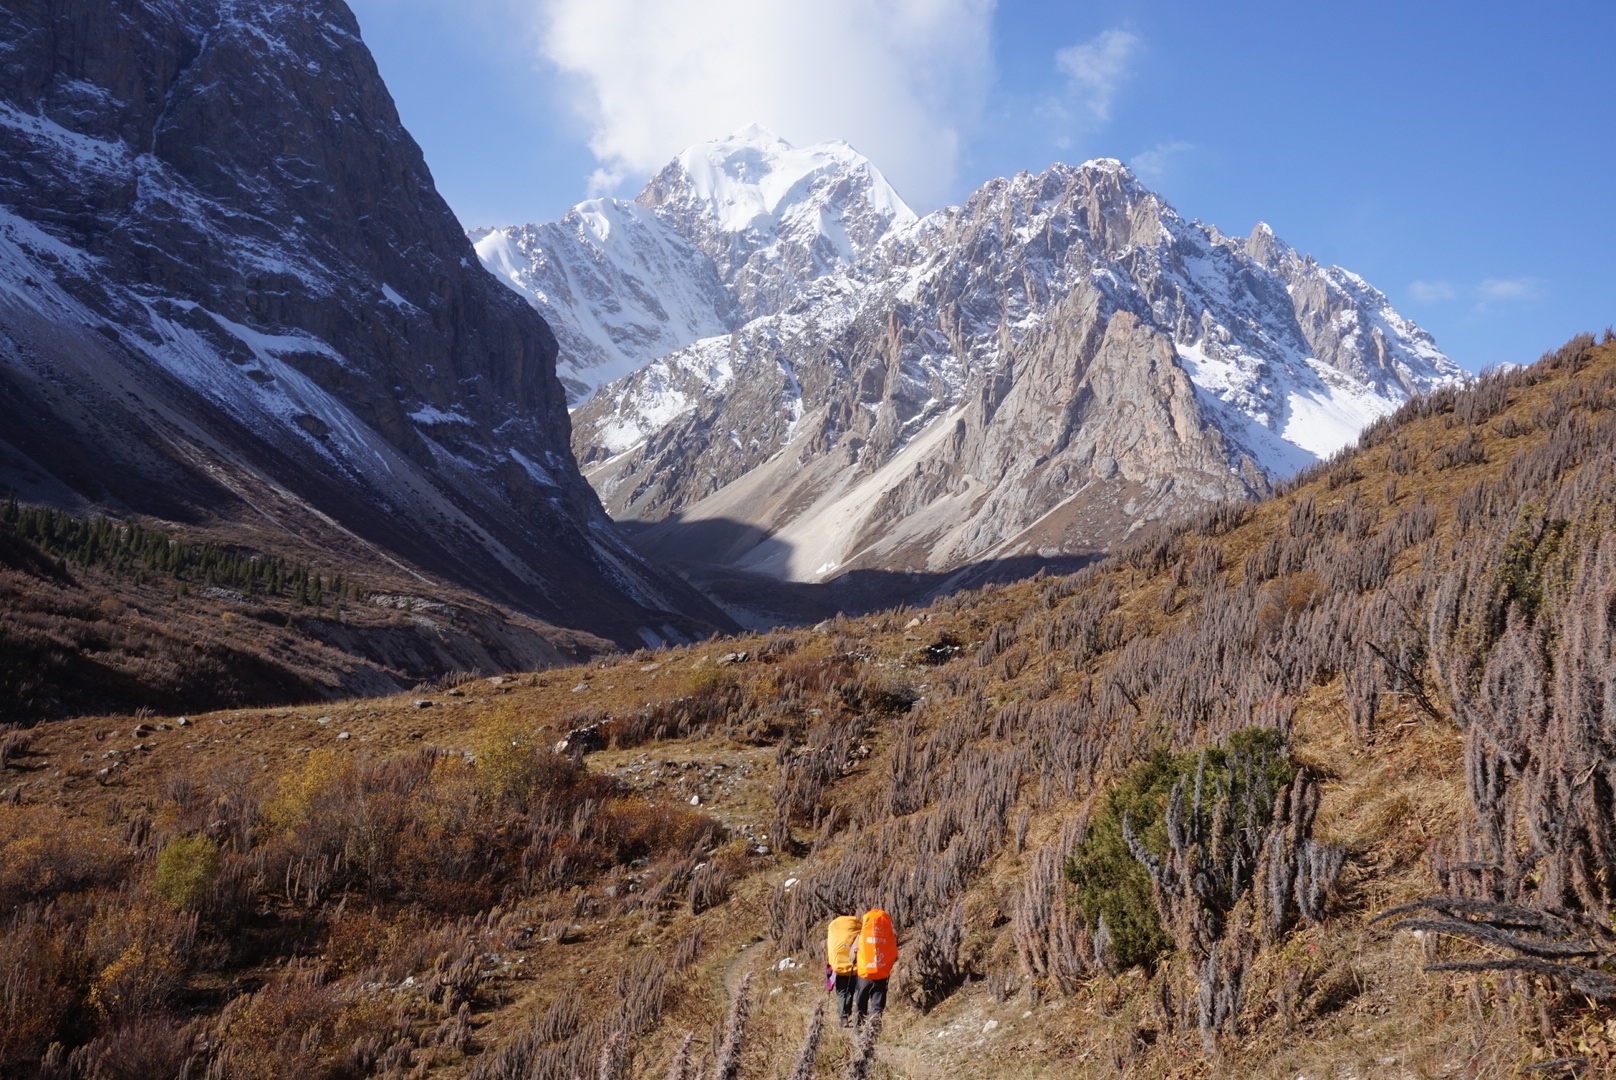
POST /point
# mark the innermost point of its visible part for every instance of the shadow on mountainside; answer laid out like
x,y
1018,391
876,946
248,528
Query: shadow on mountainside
x,y
705,553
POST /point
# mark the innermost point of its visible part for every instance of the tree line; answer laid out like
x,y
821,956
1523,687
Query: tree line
x,y
131,550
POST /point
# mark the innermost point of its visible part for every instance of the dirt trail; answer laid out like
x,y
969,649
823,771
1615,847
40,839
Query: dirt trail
x,y
796,991
967,1036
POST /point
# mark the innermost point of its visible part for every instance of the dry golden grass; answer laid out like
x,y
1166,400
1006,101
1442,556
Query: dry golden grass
x,y
1341,998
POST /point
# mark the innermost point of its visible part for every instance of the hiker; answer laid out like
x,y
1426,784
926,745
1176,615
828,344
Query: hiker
x,y
877,952
841,970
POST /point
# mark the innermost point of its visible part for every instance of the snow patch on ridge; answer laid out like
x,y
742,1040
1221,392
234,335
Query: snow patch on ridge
x,y
80,151
431,415
659,395
534,469
1328,415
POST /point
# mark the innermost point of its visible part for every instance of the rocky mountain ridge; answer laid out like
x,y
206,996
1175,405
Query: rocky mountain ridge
x,y
1037,372
230,291
615,283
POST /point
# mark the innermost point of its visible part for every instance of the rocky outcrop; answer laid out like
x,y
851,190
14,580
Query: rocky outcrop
x,y
228,288
1099,431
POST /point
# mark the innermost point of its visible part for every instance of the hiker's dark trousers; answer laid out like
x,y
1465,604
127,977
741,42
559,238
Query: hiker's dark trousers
x,y
870,997
845,985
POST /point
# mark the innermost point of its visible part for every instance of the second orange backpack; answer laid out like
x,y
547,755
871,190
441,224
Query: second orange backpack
x,y
878,946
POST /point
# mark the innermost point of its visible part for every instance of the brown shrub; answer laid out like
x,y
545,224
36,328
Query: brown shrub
x,y
709,885
709,680
1285,599
43,976
300,1024
805,677
139,954
777,646
14,743
1467,451
434,830
633,829
880,692
141,1047
358,941
44,853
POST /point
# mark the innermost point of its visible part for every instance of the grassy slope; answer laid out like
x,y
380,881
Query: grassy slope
x,y
1339,995
78,639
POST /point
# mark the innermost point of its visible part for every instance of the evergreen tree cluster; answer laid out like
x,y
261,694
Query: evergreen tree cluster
x,y
133,550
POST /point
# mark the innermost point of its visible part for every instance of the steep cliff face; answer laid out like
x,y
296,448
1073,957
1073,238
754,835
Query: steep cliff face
x,y
1038,371
615,284
228,288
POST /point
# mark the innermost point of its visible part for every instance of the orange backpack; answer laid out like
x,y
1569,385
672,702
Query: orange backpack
x,y
841,944
878,946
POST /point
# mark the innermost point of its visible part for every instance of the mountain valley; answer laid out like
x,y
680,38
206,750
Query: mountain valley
x,y
498,654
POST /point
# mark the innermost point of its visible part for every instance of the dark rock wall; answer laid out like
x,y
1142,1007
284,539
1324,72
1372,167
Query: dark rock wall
x,y
234,192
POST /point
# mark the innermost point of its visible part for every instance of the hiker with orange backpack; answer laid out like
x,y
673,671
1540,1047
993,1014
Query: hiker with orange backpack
x,y
877,952
841,970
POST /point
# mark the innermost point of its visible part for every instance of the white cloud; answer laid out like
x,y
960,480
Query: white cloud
x,y
1510,289
1152,164
605,181
902,80
1096,68
1486,294
1432,292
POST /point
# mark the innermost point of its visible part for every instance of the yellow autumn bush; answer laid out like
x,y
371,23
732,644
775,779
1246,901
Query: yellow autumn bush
x,y
140,955
187,867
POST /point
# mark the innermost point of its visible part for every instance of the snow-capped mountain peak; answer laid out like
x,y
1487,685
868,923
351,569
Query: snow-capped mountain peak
x,y
1264,248
729,230
775,217
754,181
1110,165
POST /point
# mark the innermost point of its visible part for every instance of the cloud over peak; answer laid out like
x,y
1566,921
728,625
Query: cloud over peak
x,y
901,80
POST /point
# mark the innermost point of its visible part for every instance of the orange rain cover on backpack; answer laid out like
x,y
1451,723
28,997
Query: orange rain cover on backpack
x,y
878,946
841,943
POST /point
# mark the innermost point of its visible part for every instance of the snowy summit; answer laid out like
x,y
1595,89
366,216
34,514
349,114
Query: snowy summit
x,y
729,230
775,204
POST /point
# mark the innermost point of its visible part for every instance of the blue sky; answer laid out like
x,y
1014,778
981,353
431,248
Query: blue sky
x,y
1461,157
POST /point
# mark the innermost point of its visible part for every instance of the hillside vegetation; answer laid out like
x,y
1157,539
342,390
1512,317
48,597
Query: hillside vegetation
x,y
98,614
1139,820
